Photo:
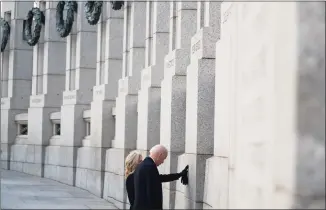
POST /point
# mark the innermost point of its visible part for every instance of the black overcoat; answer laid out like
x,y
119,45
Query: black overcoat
x,y
148,185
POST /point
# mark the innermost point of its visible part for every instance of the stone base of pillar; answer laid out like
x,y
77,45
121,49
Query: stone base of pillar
x,y
31,151
191,196
216,190
90,169
8,128
169,188
61,155
5,156
27,158
60,163
60,173
114,181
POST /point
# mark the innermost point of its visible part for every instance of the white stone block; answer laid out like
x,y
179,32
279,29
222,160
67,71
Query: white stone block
x,y
33,169
81,178
20,64
20,88
65,175
161,18
85,50
138,19
160,47
86,78
18,153
52,155
95,182
5,151
50,171
91,158
115,159
114,39
216,191
222,142
116,190
53,84
16,166
191,195
54,58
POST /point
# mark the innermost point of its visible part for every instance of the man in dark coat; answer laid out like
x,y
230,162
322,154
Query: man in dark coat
x,y
148,181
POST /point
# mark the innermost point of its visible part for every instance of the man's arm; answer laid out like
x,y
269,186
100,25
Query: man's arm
x,y
169,177
173,177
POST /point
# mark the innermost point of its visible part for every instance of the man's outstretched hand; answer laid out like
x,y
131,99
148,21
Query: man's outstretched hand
x,y
184,175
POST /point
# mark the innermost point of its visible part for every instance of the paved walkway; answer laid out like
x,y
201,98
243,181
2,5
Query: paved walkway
x,y
23,191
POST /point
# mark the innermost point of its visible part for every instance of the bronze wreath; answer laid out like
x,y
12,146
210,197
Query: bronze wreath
x,y
93,10
39,19
64,27
5,33
116,5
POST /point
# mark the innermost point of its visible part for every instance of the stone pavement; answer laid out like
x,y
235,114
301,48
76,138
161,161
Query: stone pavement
x,y
23,191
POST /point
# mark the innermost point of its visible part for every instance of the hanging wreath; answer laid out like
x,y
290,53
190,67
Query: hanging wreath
x,y
36,15
5,33
116,5
93,10
64,27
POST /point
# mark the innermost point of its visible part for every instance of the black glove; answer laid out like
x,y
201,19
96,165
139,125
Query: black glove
x,y
184,175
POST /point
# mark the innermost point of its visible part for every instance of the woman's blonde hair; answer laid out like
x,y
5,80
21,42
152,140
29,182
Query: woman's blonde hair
x,y
132,160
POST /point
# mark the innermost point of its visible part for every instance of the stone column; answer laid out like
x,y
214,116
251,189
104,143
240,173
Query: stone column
x,y
149,97
48,84
126,102
199,139
270,122
173,90
91,157
16,79
80,79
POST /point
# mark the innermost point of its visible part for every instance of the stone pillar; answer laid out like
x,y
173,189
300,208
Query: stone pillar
x,y
149,97
126,102
199,139
80,79
91,157
16,77
48,84
173,90
270,119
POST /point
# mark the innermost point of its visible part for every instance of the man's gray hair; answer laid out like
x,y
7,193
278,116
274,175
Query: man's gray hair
x,y
158,149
